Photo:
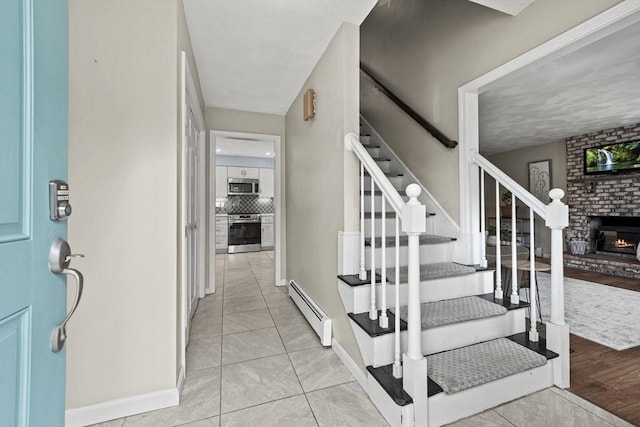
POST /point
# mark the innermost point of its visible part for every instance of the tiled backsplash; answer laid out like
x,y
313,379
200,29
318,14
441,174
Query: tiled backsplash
x,y
245,204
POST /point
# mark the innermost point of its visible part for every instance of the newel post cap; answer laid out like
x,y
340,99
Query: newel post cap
x,y
414,214
557,212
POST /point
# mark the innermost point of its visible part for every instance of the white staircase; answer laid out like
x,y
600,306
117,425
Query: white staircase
x,y
461,349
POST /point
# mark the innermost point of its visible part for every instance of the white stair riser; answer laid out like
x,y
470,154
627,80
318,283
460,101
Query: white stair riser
x,y
429,254
378,203
373,152
365,139
384,165
357,298
378,351
397,181
390,224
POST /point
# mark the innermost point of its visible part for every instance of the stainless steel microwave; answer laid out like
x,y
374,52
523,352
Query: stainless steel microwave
x,y
243,187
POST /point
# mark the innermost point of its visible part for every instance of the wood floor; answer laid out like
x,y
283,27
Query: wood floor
x,y
603,376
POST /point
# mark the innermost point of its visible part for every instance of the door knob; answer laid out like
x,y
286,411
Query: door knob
x,y
59,259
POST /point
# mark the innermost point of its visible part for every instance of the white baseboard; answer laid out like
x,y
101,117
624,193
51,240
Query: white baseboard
x,y
282,282
181,377
119,408
357,373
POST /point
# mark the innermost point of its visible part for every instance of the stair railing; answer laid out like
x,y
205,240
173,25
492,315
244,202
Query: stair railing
x,y
556,217
411,218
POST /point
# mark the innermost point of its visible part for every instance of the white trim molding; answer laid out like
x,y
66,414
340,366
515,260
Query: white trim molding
x,y
350,364
609,21
120,408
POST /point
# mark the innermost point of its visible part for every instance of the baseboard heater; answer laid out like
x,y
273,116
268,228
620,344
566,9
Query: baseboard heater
x,y
314,315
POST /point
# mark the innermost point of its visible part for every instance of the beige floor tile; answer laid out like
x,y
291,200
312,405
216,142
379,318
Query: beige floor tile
x,y
207,422
485,419
290,412
546,408
299,336
200,399
257,381
206,325
245,290
241,303
251,345
286,315
277,299
246,321
204,353
344,405
319,368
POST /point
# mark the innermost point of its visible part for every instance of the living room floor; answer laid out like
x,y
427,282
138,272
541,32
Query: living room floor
x,y
253,360
606,377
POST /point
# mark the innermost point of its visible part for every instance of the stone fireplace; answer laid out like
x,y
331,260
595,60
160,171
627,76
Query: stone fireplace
x,y
604,207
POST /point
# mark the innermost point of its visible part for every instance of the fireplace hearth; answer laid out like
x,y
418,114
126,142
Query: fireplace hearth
x,y
615,235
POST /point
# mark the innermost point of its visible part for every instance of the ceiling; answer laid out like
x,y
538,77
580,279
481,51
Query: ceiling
x,y
255,55
572,92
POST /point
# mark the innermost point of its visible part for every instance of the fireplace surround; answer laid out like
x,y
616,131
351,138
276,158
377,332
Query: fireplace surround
x,y
598,204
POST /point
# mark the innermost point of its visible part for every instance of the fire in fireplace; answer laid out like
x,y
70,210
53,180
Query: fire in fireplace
x,y
615,235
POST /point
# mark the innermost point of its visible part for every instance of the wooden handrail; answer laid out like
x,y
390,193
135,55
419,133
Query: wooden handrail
x,y
410,111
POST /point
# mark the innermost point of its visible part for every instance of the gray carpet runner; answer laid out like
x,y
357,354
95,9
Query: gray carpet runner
x,y
478,364
431,271
446,312
425,239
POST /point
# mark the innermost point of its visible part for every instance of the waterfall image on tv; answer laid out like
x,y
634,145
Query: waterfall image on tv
x,y
621,157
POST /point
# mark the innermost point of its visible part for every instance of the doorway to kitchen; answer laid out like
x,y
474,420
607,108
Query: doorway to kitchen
x,y
245,203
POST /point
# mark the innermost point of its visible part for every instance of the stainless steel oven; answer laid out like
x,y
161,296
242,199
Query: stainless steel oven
x,y
244,233
243,187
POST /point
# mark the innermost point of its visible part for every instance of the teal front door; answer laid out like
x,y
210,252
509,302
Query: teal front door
x,y
33,151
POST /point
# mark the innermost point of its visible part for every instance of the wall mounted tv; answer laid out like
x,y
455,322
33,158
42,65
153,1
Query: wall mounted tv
x,y
622,157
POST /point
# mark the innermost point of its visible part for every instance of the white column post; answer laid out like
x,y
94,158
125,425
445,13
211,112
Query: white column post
x,y
557,214
414,363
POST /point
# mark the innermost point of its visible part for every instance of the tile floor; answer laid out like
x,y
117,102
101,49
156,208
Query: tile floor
x,y
252,360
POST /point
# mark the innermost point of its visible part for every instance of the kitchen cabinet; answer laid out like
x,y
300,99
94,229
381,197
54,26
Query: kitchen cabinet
x,y
247,173
267,232
221,182
266,183
222,233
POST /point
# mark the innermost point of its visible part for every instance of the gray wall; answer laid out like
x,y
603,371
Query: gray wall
x,y
322,179
123,148
424,50
515,164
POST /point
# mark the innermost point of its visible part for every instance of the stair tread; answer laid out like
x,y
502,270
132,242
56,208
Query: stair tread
x,y
462,368
437,270
505,302
425,239
372,327
390,215
393,386
456,310
354,279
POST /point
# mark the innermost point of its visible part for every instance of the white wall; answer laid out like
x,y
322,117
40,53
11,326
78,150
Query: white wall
x,y
424,50
123,171
322,179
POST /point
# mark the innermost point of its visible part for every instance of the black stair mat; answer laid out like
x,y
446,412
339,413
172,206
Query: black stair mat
x,y
425,239
389,215
539,347
393,386
354,279
505,302
372,327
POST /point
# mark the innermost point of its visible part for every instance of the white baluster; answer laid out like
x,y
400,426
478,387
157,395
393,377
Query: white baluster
x,y
384,320
363,271
397,366
483,225
498,292
533,331
373,310
515,298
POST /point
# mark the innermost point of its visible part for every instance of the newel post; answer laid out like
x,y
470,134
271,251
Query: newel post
x,y
557,215
414,223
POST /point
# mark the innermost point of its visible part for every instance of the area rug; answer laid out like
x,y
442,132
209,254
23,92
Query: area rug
x,y
600,313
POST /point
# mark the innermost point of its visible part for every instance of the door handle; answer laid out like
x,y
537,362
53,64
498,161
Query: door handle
x,y
59,259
